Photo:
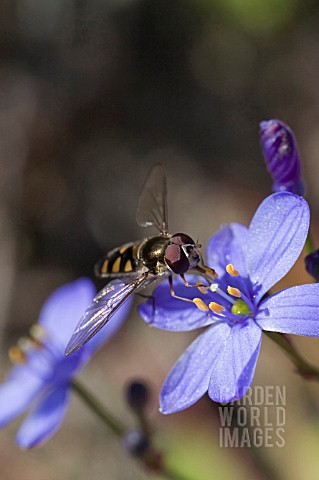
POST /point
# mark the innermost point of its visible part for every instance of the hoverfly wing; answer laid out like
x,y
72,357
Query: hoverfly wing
x,y
104,305
152,204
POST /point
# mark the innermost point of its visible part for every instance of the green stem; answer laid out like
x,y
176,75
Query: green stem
x,y
115,425
303,366
151,459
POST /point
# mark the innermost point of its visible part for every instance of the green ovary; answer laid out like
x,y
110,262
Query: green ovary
x,y
240,308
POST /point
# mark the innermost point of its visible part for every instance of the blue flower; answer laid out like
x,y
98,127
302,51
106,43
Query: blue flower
x,y
41,379
281,155
250,261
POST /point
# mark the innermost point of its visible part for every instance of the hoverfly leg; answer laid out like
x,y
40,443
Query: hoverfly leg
x,y
206,271
197,285
171,289
149,297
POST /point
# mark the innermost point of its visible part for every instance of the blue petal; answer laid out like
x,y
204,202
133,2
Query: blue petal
x,y
295,310
45,420
277,234
64,307
229,245
168,313
234,369
189,379
17,393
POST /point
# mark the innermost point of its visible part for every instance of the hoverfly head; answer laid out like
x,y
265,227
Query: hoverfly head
x,y
181,254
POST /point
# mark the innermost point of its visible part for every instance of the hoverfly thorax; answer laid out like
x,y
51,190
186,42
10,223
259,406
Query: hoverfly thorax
x,y
181,254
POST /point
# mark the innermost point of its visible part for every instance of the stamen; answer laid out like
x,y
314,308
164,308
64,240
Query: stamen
x,y
215,289
16,355
25,344
201,287
231,270
216,307
37,334
200,304
234,292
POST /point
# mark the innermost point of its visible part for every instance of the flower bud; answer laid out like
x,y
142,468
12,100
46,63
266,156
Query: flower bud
x,y
137,395
312,264
281,155
136,443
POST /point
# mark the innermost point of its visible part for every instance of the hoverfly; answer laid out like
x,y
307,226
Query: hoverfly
x,y
135,265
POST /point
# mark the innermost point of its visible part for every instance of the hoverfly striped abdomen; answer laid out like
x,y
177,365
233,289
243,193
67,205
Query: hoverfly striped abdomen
x,y
121,260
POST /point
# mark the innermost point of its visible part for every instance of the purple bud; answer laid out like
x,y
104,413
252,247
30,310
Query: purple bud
x,y
136,443
312,264
137,395
281,155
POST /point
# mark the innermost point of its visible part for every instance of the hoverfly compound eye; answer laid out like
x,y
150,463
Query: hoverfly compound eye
x,y
176,259
181,253
182,239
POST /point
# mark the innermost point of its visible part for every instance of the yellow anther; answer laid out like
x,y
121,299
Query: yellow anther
x,y
37,333
200,304
234,292
216,307
231,270
201,287
16,355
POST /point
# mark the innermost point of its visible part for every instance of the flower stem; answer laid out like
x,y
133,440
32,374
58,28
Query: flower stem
x,y
152,460
303,366
115,425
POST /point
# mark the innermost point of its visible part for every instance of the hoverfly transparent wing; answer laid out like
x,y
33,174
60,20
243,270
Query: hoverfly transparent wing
x,y
152,204
105,304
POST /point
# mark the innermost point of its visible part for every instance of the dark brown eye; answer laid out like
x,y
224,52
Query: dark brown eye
x,y
176,259
181,239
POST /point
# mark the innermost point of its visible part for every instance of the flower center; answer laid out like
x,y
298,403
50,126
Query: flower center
x,y
240,304
240,307
35,351
35,341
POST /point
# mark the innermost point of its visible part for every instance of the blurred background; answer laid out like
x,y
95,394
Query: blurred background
x,y
92,94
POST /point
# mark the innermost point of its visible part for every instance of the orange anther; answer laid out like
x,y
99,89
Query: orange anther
x,y
201,287
16,355
231,270
234,292
200,304
216,307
